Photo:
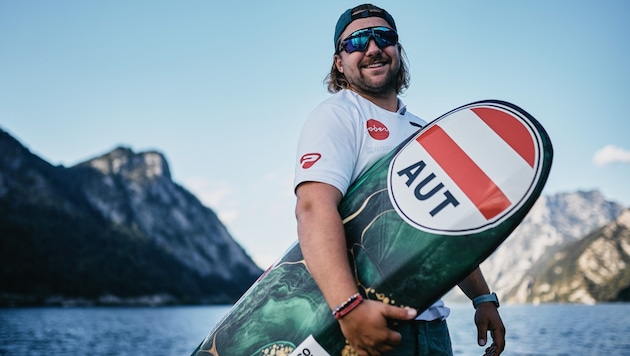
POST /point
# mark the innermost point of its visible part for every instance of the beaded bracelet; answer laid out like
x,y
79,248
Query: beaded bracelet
x,y
346,307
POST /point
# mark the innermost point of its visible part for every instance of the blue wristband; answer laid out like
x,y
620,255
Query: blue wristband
x,y
485,299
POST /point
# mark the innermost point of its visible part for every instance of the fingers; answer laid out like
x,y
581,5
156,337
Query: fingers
x,y
392,340
498,336
372,347
482,333
490,351
366,327
398,313
494,350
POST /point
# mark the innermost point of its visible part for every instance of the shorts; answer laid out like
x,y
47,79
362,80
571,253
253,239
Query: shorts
x,y
423,338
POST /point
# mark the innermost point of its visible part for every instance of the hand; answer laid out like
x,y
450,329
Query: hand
x,y
366,328
487,319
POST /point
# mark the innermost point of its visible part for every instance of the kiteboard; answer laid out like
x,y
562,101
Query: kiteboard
x,y
417,223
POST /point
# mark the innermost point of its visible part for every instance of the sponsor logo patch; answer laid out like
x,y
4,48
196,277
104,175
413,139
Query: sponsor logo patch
x,y
308,160
377,130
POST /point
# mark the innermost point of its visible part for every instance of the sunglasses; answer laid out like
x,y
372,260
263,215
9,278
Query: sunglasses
x,y
358,41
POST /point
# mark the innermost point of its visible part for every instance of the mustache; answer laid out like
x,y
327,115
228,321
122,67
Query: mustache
x,y
378,58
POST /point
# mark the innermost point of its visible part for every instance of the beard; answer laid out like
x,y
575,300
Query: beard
x,y
382,86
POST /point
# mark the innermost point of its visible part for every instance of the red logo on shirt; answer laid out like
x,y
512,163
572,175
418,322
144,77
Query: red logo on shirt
x,y
308,160
377,130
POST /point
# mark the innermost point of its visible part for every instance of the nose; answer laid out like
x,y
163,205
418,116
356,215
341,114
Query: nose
x,y
372,47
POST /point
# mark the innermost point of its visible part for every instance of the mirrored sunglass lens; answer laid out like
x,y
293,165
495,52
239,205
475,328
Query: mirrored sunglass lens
x,y
387,37
383,42
357,43
358,40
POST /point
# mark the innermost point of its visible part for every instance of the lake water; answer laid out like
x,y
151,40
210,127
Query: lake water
x,y
602,329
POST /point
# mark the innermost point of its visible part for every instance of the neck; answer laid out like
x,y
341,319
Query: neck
x,y
387,102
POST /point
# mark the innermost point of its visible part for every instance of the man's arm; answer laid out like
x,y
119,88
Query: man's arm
x,y
486,316
323,243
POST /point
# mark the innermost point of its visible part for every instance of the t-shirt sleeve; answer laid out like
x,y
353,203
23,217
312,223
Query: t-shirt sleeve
x,y
328,147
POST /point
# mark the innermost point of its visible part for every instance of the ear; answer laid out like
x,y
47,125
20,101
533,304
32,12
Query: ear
x,y
338,63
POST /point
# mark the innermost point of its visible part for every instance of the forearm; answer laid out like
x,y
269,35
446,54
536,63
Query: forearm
x,y
474,284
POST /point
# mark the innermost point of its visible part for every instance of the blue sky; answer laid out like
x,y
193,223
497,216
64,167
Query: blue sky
x,y
222,88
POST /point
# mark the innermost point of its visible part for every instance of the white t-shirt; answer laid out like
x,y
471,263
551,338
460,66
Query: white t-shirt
x,y
343,137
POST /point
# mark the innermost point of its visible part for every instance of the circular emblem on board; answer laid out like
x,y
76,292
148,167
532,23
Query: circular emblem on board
x,y
467,171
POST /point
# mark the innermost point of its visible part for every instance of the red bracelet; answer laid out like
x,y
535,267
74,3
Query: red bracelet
x,y
346,307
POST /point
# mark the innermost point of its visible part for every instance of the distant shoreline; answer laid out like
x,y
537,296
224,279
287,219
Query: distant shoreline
x,y
8,300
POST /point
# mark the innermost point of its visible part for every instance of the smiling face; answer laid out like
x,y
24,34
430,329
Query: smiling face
x,y
371,73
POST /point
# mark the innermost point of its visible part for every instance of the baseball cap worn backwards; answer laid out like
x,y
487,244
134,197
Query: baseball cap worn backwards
x,y
361,12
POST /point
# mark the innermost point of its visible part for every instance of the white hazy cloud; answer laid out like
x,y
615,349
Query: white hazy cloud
x,y
228,217
211,194
259,214
216,195
611,154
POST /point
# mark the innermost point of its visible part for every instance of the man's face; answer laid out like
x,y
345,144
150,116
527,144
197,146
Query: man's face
x,y
373,71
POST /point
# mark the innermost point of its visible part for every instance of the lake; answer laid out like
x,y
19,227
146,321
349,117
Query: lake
x,y
550,329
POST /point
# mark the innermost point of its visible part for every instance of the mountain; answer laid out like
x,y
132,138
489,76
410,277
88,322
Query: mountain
x,y
593,269
112,228
552,223
117,229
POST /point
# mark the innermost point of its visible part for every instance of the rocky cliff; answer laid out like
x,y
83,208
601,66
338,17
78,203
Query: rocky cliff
x,y
554,222
113,228
593,269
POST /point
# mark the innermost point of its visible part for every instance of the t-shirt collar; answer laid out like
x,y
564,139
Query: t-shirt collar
x,y
402,108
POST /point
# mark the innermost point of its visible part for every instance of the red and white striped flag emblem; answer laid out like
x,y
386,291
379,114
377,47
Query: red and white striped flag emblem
x,y
466,171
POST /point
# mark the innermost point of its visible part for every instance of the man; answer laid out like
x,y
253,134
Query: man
x,y
338,144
